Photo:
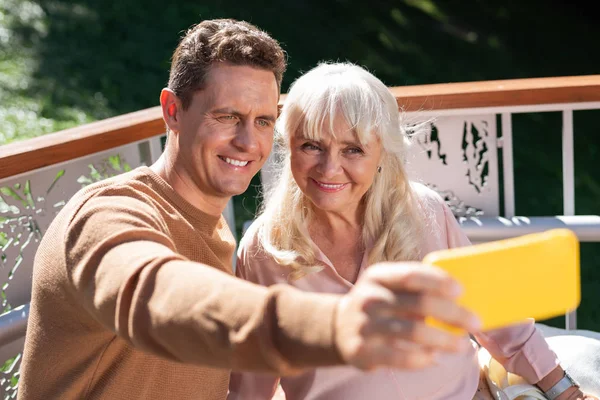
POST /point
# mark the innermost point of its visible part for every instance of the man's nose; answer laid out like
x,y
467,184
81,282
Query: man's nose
x,y
246,138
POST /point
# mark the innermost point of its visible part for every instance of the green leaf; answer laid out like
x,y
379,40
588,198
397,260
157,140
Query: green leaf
x,y
59,174
27,192
9,364
7,191
96,176
115,162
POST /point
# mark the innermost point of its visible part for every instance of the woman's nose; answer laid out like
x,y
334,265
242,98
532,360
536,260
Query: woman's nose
x,y
329,165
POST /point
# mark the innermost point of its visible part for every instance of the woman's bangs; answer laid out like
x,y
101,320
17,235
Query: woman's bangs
x,y
360,111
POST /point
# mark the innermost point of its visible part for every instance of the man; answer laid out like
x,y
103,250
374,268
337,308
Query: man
x,y
133,293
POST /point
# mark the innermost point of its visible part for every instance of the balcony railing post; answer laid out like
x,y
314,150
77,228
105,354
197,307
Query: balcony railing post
x,y
507,166
568,186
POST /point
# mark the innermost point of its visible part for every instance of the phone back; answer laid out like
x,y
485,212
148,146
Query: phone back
x,y
507,281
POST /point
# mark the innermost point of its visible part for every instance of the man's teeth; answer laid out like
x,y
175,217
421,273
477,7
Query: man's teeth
x,y
237,163
326,186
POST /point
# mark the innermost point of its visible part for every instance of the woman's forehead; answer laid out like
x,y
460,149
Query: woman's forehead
x,y
344,135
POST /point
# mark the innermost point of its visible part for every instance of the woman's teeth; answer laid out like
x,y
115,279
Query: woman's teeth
x,y
326,186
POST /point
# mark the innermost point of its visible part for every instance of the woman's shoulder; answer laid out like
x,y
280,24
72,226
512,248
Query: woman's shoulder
x,y
442,228
253,262
250,241
427,197
430,205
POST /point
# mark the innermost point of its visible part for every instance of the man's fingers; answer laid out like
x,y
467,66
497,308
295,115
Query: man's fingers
x,y
382,320
441,309
413,306
414,277
414,335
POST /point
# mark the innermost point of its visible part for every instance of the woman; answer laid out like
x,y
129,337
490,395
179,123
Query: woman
x,y
343,202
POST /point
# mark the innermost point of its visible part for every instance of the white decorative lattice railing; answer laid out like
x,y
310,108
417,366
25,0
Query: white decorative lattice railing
x,y
469,136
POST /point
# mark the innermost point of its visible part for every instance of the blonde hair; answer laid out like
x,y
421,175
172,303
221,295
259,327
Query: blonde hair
x,y
391,221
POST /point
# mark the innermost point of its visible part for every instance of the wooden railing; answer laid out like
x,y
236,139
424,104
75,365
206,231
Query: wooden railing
x,y
28,155
501,93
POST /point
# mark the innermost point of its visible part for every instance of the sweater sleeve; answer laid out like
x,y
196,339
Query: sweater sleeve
x,y
125,271
521,349
250,385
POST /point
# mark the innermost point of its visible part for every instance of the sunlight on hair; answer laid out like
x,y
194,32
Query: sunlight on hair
x,y
317,97
391,227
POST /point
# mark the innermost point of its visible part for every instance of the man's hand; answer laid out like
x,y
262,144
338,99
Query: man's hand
x,y
381,321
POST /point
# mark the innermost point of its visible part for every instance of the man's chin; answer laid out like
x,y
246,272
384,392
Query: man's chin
x,y
234,189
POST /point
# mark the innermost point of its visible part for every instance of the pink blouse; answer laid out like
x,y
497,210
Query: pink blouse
x,y
521,349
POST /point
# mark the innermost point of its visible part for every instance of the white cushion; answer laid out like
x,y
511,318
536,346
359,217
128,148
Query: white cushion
x,y
579,353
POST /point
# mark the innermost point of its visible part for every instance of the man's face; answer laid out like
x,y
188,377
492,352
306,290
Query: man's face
x,y
225,135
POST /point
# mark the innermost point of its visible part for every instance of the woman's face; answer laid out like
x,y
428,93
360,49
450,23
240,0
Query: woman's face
x,y
335,173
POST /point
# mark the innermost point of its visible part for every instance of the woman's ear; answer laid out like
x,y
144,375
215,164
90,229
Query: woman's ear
x,y
171,106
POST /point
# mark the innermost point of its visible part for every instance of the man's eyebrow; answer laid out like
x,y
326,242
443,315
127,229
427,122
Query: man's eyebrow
x,y
234,112
268,117
227,110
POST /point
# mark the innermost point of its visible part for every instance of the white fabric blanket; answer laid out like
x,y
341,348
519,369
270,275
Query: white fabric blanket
x,y
579,353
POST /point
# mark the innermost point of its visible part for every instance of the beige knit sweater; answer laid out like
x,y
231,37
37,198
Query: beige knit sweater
x,y
134,298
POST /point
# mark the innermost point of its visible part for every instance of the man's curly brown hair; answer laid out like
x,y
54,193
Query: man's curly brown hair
x,y
221,40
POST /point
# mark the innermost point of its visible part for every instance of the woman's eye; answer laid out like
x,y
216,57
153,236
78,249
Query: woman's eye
x,y
354,150
310,146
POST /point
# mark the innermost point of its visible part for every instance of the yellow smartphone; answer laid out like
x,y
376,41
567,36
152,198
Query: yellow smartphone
x,y
507,281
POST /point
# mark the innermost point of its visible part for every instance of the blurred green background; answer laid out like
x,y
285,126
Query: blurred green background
x,y
64,63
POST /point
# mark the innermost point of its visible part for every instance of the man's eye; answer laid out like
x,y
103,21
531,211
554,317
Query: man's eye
x,y
263,123
227,119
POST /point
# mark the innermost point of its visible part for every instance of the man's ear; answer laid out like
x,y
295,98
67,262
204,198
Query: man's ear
x,y
171,107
